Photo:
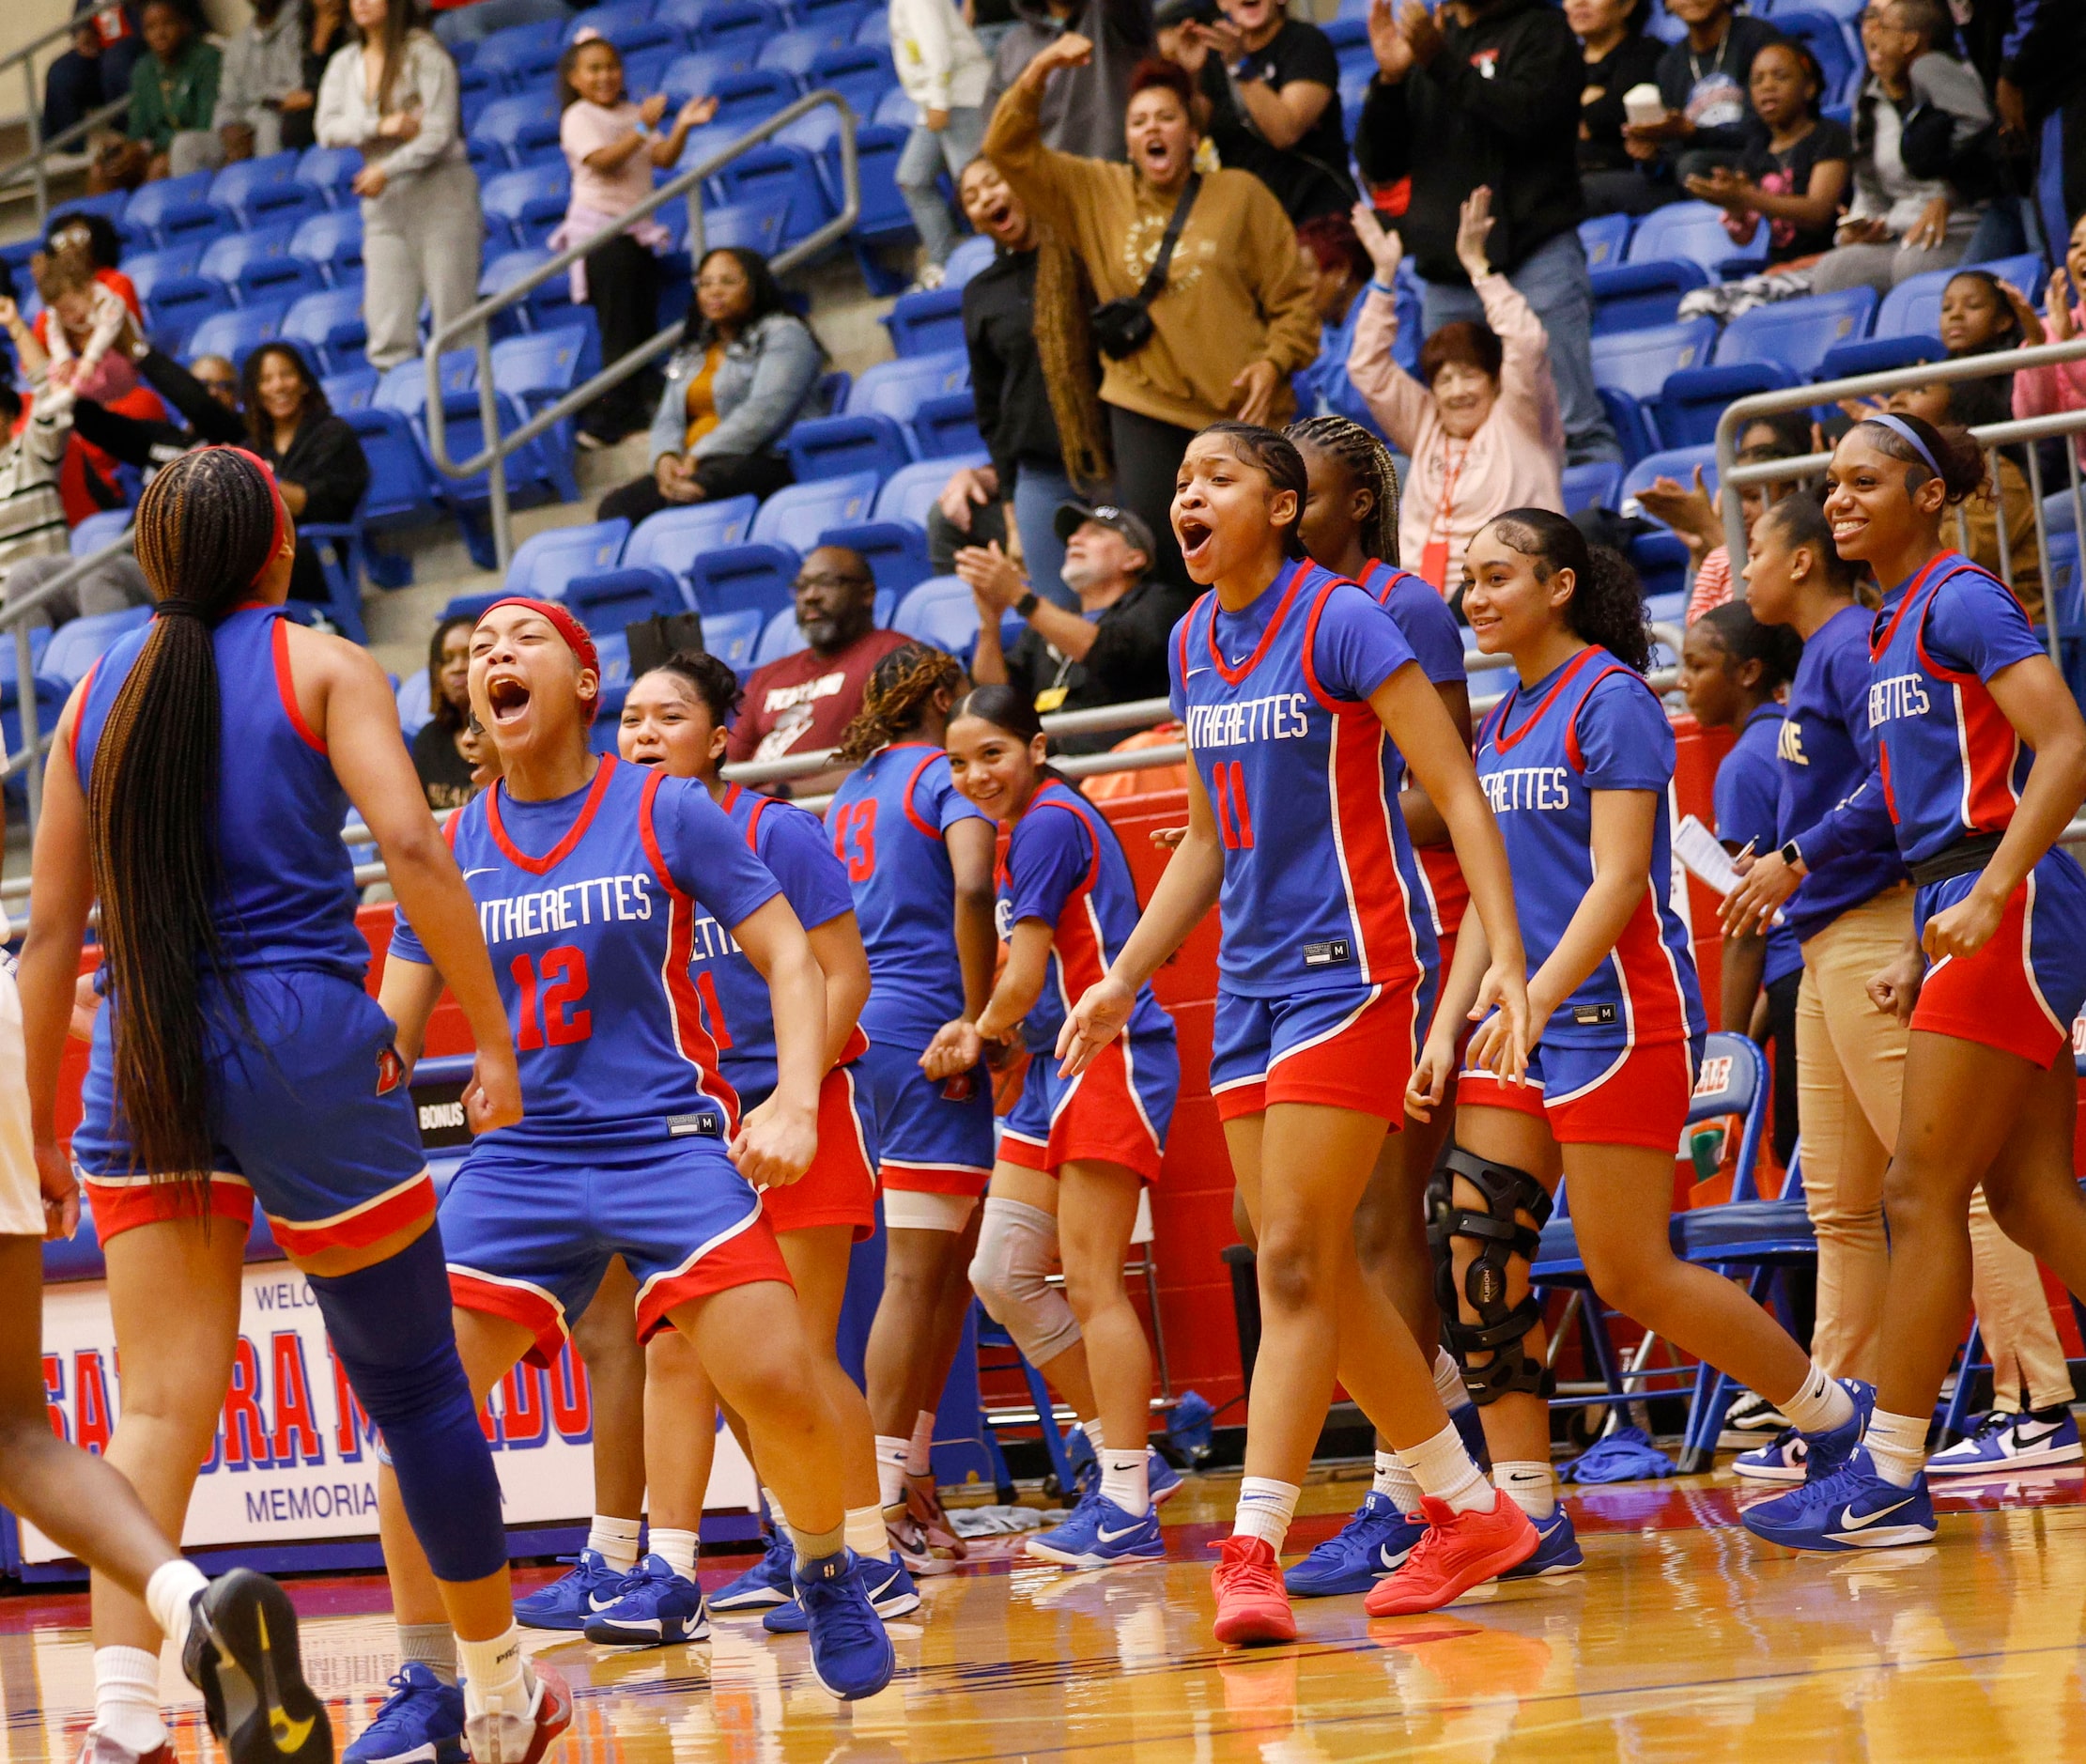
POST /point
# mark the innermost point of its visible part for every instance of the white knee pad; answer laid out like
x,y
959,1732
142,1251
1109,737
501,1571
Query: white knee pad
x,y
1017,1248
926,1210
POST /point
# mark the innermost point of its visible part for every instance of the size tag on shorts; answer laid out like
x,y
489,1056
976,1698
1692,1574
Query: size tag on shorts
x,y
1594,1014
1330,954
706,1125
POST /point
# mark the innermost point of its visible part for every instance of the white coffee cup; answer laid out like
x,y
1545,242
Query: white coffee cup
x,y
1641,104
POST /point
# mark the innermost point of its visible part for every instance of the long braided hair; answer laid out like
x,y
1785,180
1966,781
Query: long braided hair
x,y
206,529
1065,348
1371,465
899,688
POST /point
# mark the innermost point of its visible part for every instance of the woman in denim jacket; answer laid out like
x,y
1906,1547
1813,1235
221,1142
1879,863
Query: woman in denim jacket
x,y
746,368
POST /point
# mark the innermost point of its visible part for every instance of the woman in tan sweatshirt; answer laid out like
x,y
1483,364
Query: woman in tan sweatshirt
x,y
1234,319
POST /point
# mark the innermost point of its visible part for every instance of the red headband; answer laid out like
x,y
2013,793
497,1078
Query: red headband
x,y
569,629
282,513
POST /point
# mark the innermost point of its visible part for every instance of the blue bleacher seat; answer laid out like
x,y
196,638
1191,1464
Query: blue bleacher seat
x,y
237,334
540,472
779,637
797,516
252,191
260,266
542,368
524,128
1797,333
404,388
1692,232
743,578
875,31
675,537
794,52
1594,486
895,552
148,269
412,698
815,131
76,645
1639,296
733,636
946,425
1914,306
520,54
96,530
908,494
528,204
544,562
627,23
970,256
333,242
693,75
839,15
735,32
755,225
942,610
177,304
929,320
607,601
1878,355
328,324
643,69
501,273
743,98
401,487
172,208
884,218
896,389
783,175
860,74
1606,237
894,110
1696,397
351,387
330,171
1824,36
837,446
1638,362
1677,463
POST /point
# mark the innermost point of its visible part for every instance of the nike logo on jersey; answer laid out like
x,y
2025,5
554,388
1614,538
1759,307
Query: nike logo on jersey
x,y
1193,671
487,871
1849,1521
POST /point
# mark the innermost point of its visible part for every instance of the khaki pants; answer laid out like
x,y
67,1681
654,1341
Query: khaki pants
x,y
1851,1079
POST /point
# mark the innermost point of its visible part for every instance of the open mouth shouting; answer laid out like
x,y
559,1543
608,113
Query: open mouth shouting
x,y
506,697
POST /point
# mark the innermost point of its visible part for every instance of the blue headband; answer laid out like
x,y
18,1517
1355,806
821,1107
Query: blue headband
x,y
1900,428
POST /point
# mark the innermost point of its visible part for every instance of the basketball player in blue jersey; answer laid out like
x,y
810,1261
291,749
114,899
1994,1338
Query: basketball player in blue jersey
x,y
1349,525
592,878
1083,1148
1982,765
1577,762
677,718
920,859
1304,707
209,763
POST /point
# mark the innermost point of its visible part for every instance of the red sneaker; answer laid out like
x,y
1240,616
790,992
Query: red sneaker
x,y
1457,1551
1253,1605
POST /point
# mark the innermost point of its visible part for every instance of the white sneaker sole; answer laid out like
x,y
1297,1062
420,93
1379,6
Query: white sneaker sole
x,y
1760,1473
1064,1559
2040,1458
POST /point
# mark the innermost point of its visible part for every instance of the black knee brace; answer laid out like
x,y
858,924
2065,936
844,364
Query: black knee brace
x,y
1500,1327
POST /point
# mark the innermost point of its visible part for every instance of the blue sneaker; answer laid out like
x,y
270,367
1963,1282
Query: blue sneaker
x,y
766,1583
1832,1446
851,1656
1099,1534
569,1602
1559,1551
1161,1480
1786,1458
423,1720
1371,1546
1469,1420
1850,1508
2001,1444
655,1607
890,1588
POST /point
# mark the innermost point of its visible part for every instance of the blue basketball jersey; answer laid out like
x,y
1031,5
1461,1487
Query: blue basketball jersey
x,y
592,906
1951,765
285,892
1543,751
889,822
1064,865
1422,617
737,1009
1321,887
1747,796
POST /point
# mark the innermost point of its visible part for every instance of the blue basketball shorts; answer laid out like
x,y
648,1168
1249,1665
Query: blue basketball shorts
x,y
1116,1111
936,1136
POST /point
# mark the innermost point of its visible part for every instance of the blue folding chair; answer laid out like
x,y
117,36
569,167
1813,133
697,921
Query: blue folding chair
x,y
256,192
607,601
733,636
333,243
1694,399
527,204
674,538
349,389
875,31
260,266
1632,422
1878,355
896,111
752,225
237,334
523,128
331,171
629,24
1913,307
860,73
839,447
544,563
754,579
1796,333
895,552
897,389
76,645
970,256
797,516
908,494
1594,486
1692,232
946,425
927,322
1606,237
329,326
1638,362
501,273
177,304
1824,36
148,269
735,32
942,611
521,53
172,208
794,52
1638,296
787,177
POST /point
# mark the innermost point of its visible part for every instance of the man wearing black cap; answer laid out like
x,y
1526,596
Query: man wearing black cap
x,y
1112,651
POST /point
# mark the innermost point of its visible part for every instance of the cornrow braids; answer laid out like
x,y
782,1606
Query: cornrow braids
x,y
896,696
206,529
1369,462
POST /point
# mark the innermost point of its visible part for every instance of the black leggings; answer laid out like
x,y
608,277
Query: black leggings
x,y
1781,1040
622,288
722,475
1147,459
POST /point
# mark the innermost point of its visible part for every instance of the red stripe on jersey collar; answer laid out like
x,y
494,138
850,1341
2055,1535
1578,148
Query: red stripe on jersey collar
x,y
1233,676
1919,586
1503,741
563,848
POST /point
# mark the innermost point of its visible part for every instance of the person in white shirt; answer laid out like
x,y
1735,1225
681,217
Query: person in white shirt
x,y
944,70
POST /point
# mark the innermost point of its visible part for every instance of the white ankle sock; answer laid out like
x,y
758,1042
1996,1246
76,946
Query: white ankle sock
x,y
615,1540
1821,1401
1531,1486
863,1527
1449,1382
676,1549
919,1453
1443,1468
126,1698
1395,1482
495,1676
1265,1509
1897,1444
891,1467
170,1593
1123,1480
430,1645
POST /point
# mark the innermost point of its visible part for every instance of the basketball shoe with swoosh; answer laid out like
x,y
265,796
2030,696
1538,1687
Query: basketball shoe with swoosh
x,y
1848,1509
1099,1534
242,1654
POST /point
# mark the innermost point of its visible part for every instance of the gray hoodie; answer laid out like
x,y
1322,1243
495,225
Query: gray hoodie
x,y
1082,107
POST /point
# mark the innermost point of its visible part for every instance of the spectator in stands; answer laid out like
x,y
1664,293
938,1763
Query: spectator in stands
x,y
1339,269
1619,57
1480,425
77,230
800,704
1487,92
1702,80
80,347
262,91
472,21
612,146
1082,109
1793,164
1234,319
438,746
173,96
2047,391
945,72
95,71
1697,520
32,515
326,32
1981,314
1915,203
1026,405
1272,88
317,456
393,94
1112,651
746,368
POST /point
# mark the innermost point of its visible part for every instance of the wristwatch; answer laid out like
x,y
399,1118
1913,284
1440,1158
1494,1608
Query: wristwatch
x,y
1790,854
1026,605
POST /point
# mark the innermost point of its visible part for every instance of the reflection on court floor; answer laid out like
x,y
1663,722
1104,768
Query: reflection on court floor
x,y
1683,1640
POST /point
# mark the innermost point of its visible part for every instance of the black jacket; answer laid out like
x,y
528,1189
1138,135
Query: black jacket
x,y
325,456
1450,126
1634,61
1005,372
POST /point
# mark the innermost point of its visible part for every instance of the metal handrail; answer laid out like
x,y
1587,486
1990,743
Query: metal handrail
x,y
32,114
35,160
478,322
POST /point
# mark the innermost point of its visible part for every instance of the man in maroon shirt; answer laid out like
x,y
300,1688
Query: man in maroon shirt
x,y
802,703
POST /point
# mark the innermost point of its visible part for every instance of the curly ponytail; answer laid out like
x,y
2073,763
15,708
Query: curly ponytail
x,y
1607,604
899,688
